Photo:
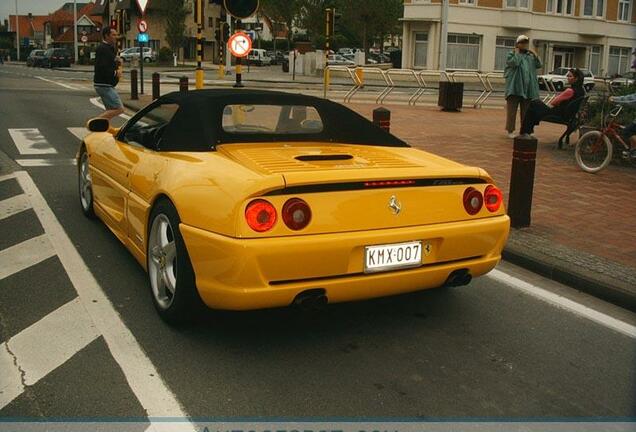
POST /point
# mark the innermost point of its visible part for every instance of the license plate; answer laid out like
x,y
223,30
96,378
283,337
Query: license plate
x,y
392,256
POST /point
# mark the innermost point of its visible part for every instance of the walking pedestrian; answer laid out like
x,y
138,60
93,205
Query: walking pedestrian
x,y
107,74
521,81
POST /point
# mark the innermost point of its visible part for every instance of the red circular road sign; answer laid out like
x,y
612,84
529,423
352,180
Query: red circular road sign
x,y
239,44
142,26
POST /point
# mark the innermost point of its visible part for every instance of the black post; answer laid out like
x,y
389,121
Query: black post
x,y
239,77
133,85
524,157
141,66
382,118
183,84
155,86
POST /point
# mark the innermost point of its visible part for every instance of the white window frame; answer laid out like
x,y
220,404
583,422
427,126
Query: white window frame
x,y
627,8
503,45
595,9
415,43
468,36
467,2
599,53
624,53
517,5
564,4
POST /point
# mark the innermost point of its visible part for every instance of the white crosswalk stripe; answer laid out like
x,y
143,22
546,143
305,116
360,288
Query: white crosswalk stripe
x,y
14,205
46,345
29,141
78,132
45,162
24,255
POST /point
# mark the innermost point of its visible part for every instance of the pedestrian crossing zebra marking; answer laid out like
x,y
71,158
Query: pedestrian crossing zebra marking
x,y
24,255
79,132
29,141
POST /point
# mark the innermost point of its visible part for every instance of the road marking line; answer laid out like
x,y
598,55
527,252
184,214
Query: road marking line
x,y
45,162
46,345
7,177
24,255
79,132
564,303
11,377
58,83
30,141
95,101
14,205
141,374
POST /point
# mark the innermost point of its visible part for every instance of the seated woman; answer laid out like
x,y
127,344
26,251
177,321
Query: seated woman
x,y
538,110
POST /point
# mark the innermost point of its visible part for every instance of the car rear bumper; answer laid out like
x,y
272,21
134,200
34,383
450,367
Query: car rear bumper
x,y
242,274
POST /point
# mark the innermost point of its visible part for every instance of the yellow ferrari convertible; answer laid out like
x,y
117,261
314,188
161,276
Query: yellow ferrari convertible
x,y
256,199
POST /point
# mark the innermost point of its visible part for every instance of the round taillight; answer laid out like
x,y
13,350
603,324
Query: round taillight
x,y
296,214
492,198
260,215
473,200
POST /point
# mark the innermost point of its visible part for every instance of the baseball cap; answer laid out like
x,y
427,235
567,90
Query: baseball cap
x,y
522,38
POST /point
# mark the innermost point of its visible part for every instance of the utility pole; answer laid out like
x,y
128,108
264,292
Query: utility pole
x,y
199,71
75,54
443,38
17,30
330,15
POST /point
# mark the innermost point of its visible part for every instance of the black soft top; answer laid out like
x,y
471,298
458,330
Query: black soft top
x,y
197,124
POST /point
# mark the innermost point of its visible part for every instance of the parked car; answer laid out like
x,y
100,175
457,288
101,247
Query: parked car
x,y
35,58
346,51
259,57
56,57
559,80
130,53
624,81
338,60
277,57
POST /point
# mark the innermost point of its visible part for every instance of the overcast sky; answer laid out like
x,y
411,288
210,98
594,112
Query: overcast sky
x,y
36,7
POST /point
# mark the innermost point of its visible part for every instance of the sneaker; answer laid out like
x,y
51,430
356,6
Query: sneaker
x,y
524,136
511,135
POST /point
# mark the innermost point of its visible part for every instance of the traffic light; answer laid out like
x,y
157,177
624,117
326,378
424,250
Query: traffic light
x,y
332,22
225,31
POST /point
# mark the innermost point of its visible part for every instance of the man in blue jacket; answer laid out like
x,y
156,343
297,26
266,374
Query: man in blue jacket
x,y
107,74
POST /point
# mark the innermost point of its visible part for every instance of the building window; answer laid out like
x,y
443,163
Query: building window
x,y
560,7
618,61
593,8
595,60
421,49
463,51
467,2
623,10
503,46
517,4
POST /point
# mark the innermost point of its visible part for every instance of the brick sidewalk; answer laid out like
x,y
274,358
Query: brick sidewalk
x,y
581,223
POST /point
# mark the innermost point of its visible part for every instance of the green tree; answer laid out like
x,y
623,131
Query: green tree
x,y
370,20
174,12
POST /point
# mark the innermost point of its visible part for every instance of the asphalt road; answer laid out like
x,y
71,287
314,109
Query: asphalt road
x,y
489,349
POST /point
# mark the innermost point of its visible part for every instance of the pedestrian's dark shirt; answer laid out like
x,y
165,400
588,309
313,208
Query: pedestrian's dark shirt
x,y
105,66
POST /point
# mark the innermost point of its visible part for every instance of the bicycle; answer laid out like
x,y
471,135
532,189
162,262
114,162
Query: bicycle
x,y
594,150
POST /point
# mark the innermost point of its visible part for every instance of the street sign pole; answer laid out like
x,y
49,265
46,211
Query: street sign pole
x,y
199,72
239,76
141,67
228,58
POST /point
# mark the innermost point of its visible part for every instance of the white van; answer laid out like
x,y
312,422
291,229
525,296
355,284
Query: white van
x,y
259,57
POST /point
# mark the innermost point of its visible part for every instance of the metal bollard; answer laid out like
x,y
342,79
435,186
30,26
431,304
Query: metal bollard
x,y
155,85
134,94
183,84
524,157
382,118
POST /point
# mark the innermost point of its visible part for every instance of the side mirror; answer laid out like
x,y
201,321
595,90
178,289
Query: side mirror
x,y
98,125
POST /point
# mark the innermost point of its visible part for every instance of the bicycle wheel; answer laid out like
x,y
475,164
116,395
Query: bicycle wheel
x,y
593,151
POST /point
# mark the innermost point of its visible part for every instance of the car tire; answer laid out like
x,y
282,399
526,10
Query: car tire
x,y
85,184
147,59
170,273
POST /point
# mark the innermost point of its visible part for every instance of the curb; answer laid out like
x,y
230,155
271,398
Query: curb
x,y
610,290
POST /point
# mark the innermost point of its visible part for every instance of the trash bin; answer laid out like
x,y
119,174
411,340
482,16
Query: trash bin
x,y
396,59
285,64
451,95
